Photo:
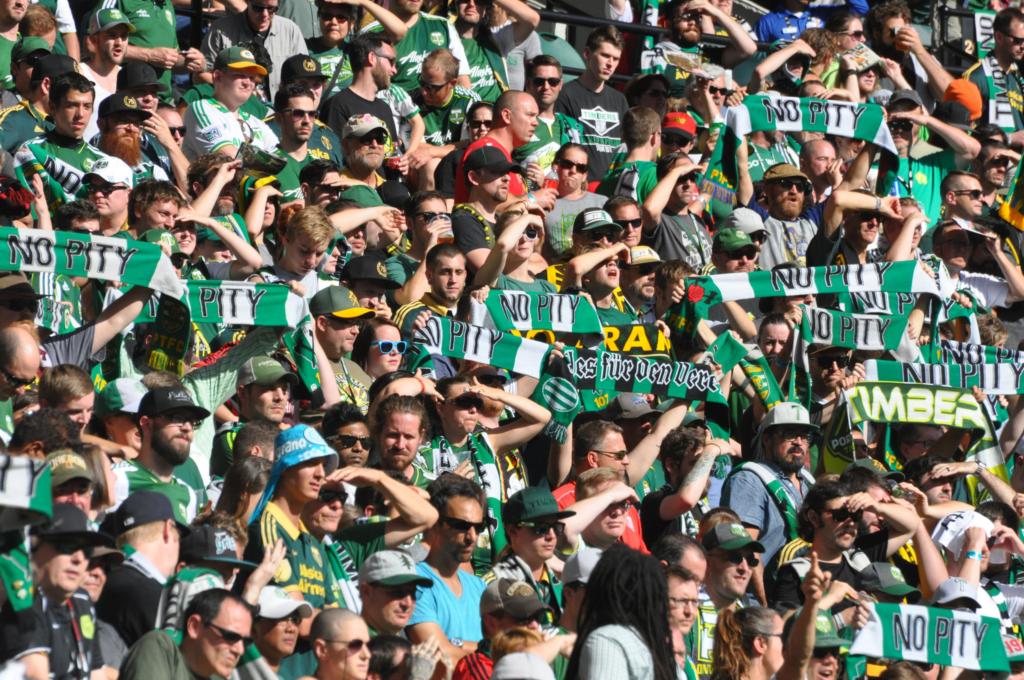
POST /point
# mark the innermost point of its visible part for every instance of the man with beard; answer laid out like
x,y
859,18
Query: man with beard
x,y
139,80
672,214
766,493
487,46
829,519
108,43
637,281
11,14
264,389
167,419
365,140
688,20
295,114
859,214
387,584
108,184
732,557
997,75
120,123
992,167
337,317
446,276
487,174
373,65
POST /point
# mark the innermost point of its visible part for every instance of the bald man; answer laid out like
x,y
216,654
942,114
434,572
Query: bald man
x,y
340,640
818,161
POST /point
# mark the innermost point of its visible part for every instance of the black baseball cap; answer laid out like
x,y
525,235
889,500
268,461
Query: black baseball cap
x,y
70,523
532,503
134,74
730,536
394,193
142,507
163,400
210,544
368,267
53,65
120,102
493,159
301,66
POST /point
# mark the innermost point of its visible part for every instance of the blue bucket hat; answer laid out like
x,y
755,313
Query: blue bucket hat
x,y
293,447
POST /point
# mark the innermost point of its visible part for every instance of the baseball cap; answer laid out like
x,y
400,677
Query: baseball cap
x,y
955,114
15,285
112,170
883,577
730,239
643,255
744,220
120,396
340,302
68,522
363,196
362,124
783,171
301,443
392,568
135,74
492,158
630,406
265,371
905,96
102,19
238,57
163,400
580,565
301,66
879,469
276,603
369,267
787,413
953,589
26,46
522,666
593,218
211,544
66,465
532,503
53,65
826,635
679,123
394,193
143,507
119,102
516,598
730,536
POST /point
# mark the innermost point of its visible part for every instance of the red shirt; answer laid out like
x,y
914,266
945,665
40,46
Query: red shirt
x,y
475,666
565,496
515,186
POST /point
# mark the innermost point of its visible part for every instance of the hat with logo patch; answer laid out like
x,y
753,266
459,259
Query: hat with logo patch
x,y
27,46
532,503
729,240
515,598
744,220
392,568
883,577
102,19
340,302
787,413
265,371
593,218
301,66
136,74
111,170
491,158
826,635
161,237
211,544
639,255
53,65
730,536
362,124
781,171
295,446
275,603
953,589
123,104
238,58
164,400
143,507
630,406
368,267
120,396
66,465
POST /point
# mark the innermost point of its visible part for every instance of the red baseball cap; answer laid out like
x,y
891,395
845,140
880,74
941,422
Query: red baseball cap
x,y
680,123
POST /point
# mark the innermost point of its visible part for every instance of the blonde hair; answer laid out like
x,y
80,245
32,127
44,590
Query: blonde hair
x,y
591,481
144,533
734,639
63,383
311,222
514,640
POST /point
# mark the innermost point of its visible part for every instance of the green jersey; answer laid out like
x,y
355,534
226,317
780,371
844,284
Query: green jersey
x,y
323,144
6,79
130,477
635,179
444,124
613,316
331,60
222,456
289,177
60,161
346,555
487,75
253,105
548,138
61,310
426,35
155,26
19,124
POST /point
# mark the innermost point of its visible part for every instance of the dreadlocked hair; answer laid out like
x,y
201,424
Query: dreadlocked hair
x,y
734,639
628,588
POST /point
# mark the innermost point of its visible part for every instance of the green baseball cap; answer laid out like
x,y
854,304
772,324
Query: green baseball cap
x,y
532,503
27,46
731,239
338,301
238,57
161,237
826,635
120,396
102,19
265,371
883,577
593,218
366,197
66,465
207,234
730,536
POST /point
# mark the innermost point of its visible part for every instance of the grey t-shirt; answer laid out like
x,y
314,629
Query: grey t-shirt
x,y
69,348
558,222
746,495
515,60
788,240
681,237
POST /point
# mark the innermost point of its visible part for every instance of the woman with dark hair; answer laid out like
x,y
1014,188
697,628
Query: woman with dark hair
x,y
379,347
650,90
623,623
243,486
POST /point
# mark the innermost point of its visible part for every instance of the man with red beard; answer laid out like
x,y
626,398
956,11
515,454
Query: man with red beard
x,y
120,122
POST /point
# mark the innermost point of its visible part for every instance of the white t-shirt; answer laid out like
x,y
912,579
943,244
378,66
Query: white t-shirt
x,y
93,128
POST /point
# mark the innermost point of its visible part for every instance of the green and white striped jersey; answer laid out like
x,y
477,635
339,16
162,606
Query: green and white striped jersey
x,y
130,477
60,161
210,127
445,124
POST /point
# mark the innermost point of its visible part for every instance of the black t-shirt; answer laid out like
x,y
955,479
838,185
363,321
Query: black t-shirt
x,y
347,103
601,114
470,233
650,516
444,173
126,584
65,632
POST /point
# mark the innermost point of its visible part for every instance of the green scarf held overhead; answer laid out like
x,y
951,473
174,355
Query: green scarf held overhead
x,y
992,379
25,492
727,352
761,113
459,340
529,311
556,392
963,353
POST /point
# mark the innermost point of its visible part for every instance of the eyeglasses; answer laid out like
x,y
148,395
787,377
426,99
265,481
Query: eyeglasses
x,y
687,179
975,194
389,346
17,305
1002,161
542,528
386,57
688,16
621,506
69,546
260,9
378,136
103,189
1017,42
351,646
177,131
840,360
842,514
539,82
16,382
617,455
336,16
229,636
464,525
474,124
788,184
530,234
609,234
900,125
429,217
630,224
791,433
347,441
432,87
300,114
858,35
745,253
180,419
581,168
332,495
735,557
400,592
683,601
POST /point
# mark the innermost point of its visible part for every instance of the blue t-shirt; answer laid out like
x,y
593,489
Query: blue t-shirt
x,y
459,617
745,494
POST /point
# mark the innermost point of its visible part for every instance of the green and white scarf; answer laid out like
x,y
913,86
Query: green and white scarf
x,y
238,303
1002,378
528,311
953,352
100,258
27,499
728,352
761,113
460,340
946,637
556,392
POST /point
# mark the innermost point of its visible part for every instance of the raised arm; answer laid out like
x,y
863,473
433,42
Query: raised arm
x,y
742,45
656,201
643,454
247,259
494,265
692,488
117,316
415,513
744,183
582,264
961,143
842,201
392,25
589,509
525,18
532,418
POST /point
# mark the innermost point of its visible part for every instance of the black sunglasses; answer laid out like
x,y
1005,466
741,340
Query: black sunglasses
x,y
463,525
347,441
724,91
748,252
258,9
610,234
179,131
432,87
842,514
16,382
474,124
1015,40
630,224
429,217
468,401
378,136
788,183
735,557
229,636
550,82
331,495
69,546
840,360
569,165
975,194
542,528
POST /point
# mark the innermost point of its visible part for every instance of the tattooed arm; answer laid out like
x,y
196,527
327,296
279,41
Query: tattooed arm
x,y
696,481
